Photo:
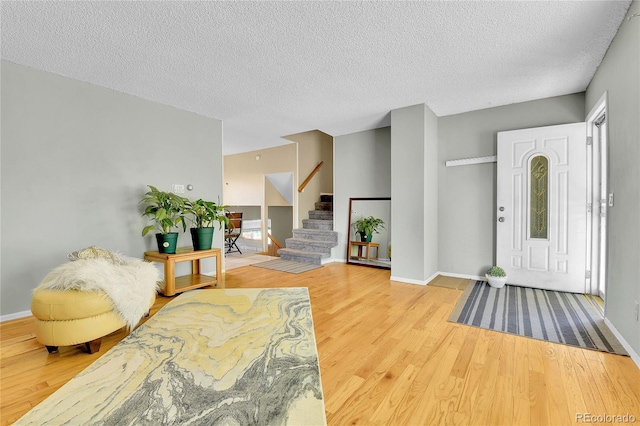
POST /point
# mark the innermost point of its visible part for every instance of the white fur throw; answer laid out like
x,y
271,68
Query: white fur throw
x,y
130,286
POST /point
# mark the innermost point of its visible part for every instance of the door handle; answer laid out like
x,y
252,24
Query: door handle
x,y
501,219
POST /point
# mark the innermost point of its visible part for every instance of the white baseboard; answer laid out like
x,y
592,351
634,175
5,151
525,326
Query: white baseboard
x,y
17,315
432,277
412,281
633,354
408,280
470,277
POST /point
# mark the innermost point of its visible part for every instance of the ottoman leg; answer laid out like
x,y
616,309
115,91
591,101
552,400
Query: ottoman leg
x,y
52,349
93,346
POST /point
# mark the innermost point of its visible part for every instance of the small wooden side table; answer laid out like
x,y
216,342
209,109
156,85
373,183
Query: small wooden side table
x,y
367,245
173,284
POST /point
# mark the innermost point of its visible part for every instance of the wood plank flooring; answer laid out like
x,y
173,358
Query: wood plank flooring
x,y
388,356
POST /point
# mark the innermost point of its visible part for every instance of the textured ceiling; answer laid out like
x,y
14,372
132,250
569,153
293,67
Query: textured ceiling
x,y
270,69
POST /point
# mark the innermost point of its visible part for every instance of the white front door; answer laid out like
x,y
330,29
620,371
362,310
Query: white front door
x,y
542,207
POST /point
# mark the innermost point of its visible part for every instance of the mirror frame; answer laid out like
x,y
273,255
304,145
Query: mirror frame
x,y
349,261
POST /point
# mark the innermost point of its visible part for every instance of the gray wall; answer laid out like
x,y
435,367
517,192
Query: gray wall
x,y
414,193
281,222
618,74
248,212
466,199
362,168
431,190
76,159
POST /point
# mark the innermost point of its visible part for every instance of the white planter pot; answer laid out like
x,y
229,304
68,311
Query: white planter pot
x,y
496,282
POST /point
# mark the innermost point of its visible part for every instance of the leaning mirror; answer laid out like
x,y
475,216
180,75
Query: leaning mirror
x,y
369,241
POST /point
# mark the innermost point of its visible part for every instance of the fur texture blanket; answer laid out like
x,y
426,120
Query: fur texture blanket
x,y
130,286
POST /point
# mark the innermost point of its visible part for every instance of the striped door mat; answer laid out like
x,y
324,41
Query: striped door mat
x,y
287,266
553,316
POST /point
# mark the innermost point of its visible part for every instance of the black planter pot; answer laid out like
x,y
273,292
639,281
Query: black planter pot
x,y
202,238
167,243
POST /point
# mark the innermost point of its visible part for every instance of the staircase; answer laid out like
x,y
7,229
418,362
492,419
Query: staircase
x,y
313,242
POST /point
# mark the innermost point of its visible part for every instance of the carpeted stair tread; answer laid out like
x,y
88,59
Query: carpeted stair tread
x,y
313,242
316,234
306,244
321,214
302,256
324,206
317,224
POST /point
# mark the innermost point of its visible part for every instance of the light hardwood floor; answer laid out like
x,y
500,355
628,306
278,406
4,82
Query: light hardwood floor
x,y
388,356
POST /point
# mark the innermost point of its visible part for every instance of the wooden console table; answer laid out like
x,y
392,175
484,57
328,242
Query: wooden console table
x,y
173,284
367,245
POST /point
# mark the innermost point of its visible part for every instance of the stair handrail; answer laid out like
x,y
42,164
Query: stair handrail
x,y
273,249
311,175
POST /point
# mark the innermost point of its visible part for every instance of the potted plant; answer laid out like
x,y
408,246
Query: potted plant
x,y
166,209
496,276
203,215
367,226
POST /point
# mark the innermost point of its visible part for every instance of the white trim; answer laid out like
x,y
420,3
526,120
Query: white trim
x,y
432,277
633,354
598,108
327,260
412,281
474,160
407,280
597,165
17,315
470,277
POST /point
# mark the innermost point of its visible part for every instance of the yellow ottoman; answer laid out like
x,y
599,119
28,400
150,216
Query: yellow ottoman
x,y
71,317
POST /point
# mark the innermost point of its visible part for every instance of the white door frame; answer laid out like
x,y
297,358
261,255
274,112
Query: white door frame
x,y
597,186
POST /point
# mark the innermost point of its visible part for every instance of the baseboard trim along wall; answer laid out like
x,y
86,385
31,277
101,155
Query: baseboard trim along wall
x,y
633,354
407,280
16,315
470,277
412,281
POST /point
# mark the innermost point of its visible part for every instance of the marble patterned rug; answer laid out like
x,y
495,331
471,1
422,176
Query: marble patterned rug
x,y
221,356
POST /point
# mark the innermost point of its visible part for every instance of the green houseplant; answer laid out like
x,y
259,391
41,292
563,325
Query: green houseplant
x,y
367,226
166,210
203,214
496,276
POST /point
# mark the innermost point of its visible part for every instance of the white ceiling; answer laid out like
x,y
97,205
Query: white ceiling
x,y
271,69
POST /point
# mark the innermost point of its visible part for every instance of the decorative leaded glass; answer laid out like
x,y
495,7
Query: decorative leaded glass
x,y
539,200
